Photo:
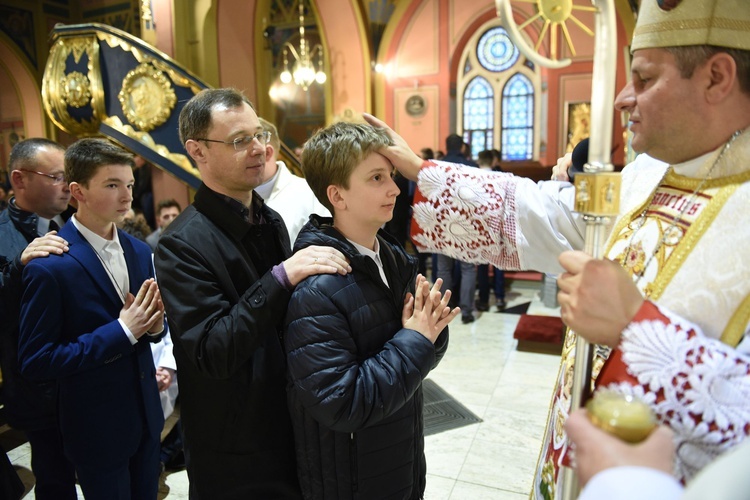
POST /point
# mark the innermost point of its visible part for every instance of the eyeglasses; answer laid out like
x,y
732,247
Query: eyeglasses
x,y
56,178
244,142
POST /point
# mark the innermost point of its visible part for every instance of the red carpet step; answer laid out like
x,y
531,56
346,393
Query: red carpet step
x,y
543,334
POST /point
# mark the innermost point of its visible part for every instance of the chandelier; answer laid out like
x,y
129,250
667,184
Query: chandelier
x,y
307,67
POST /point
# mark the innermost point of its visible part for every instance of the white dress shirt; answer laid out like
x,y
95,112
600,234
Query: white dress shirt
x,y
112,257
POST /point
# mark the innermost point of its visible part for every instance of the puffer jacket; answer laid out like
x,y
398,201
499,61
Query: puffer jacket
x,y
355,375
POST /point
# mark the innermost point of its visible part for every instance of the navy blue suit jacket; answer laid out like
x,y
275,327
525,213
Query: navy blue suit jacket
x,y
69,331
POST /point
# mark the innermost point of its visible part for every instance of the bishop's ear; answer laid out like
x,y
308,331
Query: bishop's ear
x,y
721,76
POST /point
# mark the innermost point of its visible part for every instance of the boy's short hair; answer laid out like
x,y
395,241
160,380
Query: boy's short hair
x,y
427,154
195,116
84,157
334,152
168,203
484,158
454,142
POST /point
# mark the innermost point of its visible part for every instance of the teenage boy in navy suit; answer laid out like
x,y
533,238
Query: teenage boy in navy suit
x,y
86,319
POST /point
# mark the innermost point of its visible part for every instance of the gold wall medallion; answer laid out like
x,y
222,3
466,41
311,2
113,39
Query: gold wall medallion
x,y
416,105
147,97
75,89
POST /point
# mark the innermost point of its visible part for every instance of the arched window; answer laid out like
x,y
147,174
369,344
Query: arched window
x,y
499,100
479,114
518,119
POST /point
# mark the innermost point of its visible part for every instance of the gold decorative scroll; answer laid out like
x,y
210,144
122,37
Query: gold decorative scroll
x,y
118,41
147,97
74,89
145,138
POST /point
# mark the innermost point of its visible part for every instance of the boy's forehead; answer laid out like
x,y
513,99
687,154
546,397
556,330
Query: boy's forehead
x,y
375,162
377,157
114,171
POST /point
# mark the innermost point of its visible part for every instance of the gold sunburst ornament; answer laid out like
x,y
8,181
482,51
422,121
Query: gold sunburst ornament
x,y
555,14
147,97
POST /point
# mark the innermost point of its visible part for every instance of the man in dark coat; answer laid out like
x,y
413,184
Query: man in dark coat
x,y
359,346
226,275
28,229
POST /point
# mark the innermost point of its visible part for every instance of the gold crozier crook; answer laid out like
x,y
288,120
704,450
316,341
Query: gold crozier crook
x,y
598,188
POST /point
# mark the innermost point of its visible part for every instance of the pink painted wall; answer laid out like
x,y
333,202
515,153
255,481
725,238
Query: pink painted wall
x,y
348,58
425,50
164,185
163,22
26,90
236,43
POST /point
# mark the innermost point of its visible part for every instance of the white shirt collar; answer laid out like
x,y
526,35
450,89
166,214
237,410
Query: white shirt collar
x,y
97,242
374,255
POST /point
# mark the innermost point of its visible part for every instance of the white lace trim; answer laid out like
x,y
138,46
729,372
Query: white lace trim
x,y
698,386
468,215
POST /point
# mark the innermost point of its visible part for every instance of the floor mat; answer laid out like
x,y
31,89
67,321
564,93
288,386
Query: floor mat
x,y
518,309
442,412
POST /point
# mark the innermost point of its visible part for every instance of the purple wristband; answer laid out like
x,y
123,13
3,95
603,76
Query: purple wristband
x,y
279,273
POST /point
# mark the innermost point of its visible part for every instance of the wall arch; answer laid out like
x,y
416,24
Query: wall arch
x,y
26,89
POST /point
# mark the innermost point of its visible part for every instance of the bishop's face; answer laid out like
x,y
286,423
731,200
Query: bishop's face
x,y
666,110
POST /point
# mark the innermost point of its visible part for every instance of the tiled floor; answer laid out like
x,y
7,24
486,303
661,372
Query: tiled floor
x,y
509,390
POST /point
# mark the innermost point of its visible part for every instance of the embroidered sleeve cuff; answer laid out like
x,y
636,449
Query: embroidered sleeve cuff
x,y
648,311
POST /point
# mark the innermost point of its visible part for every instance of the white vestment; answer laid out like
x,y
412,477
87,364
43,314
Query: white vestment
x,y
293,199
697,224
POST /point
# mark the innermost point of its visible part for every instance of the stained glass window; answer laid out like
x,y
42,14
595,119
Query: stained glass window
x,y
498,96
518,119
479,118
495,51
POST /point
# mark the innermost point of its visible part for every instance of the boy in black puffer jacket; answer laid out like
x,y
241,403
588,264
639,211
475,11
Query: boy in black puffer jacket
x,y
358,346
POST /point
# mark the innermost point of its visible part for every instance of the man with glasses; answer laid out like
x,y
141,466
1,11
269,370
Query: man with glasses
x,y
226,274
28,229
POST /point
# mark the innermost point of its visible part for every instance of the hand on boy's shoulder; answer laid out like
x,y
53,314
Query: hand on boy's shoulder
x,y
427,310
43,246
315,260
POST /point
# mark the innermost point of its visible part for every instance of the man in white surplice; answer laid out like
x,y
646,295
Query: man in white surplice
x,y
677,307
